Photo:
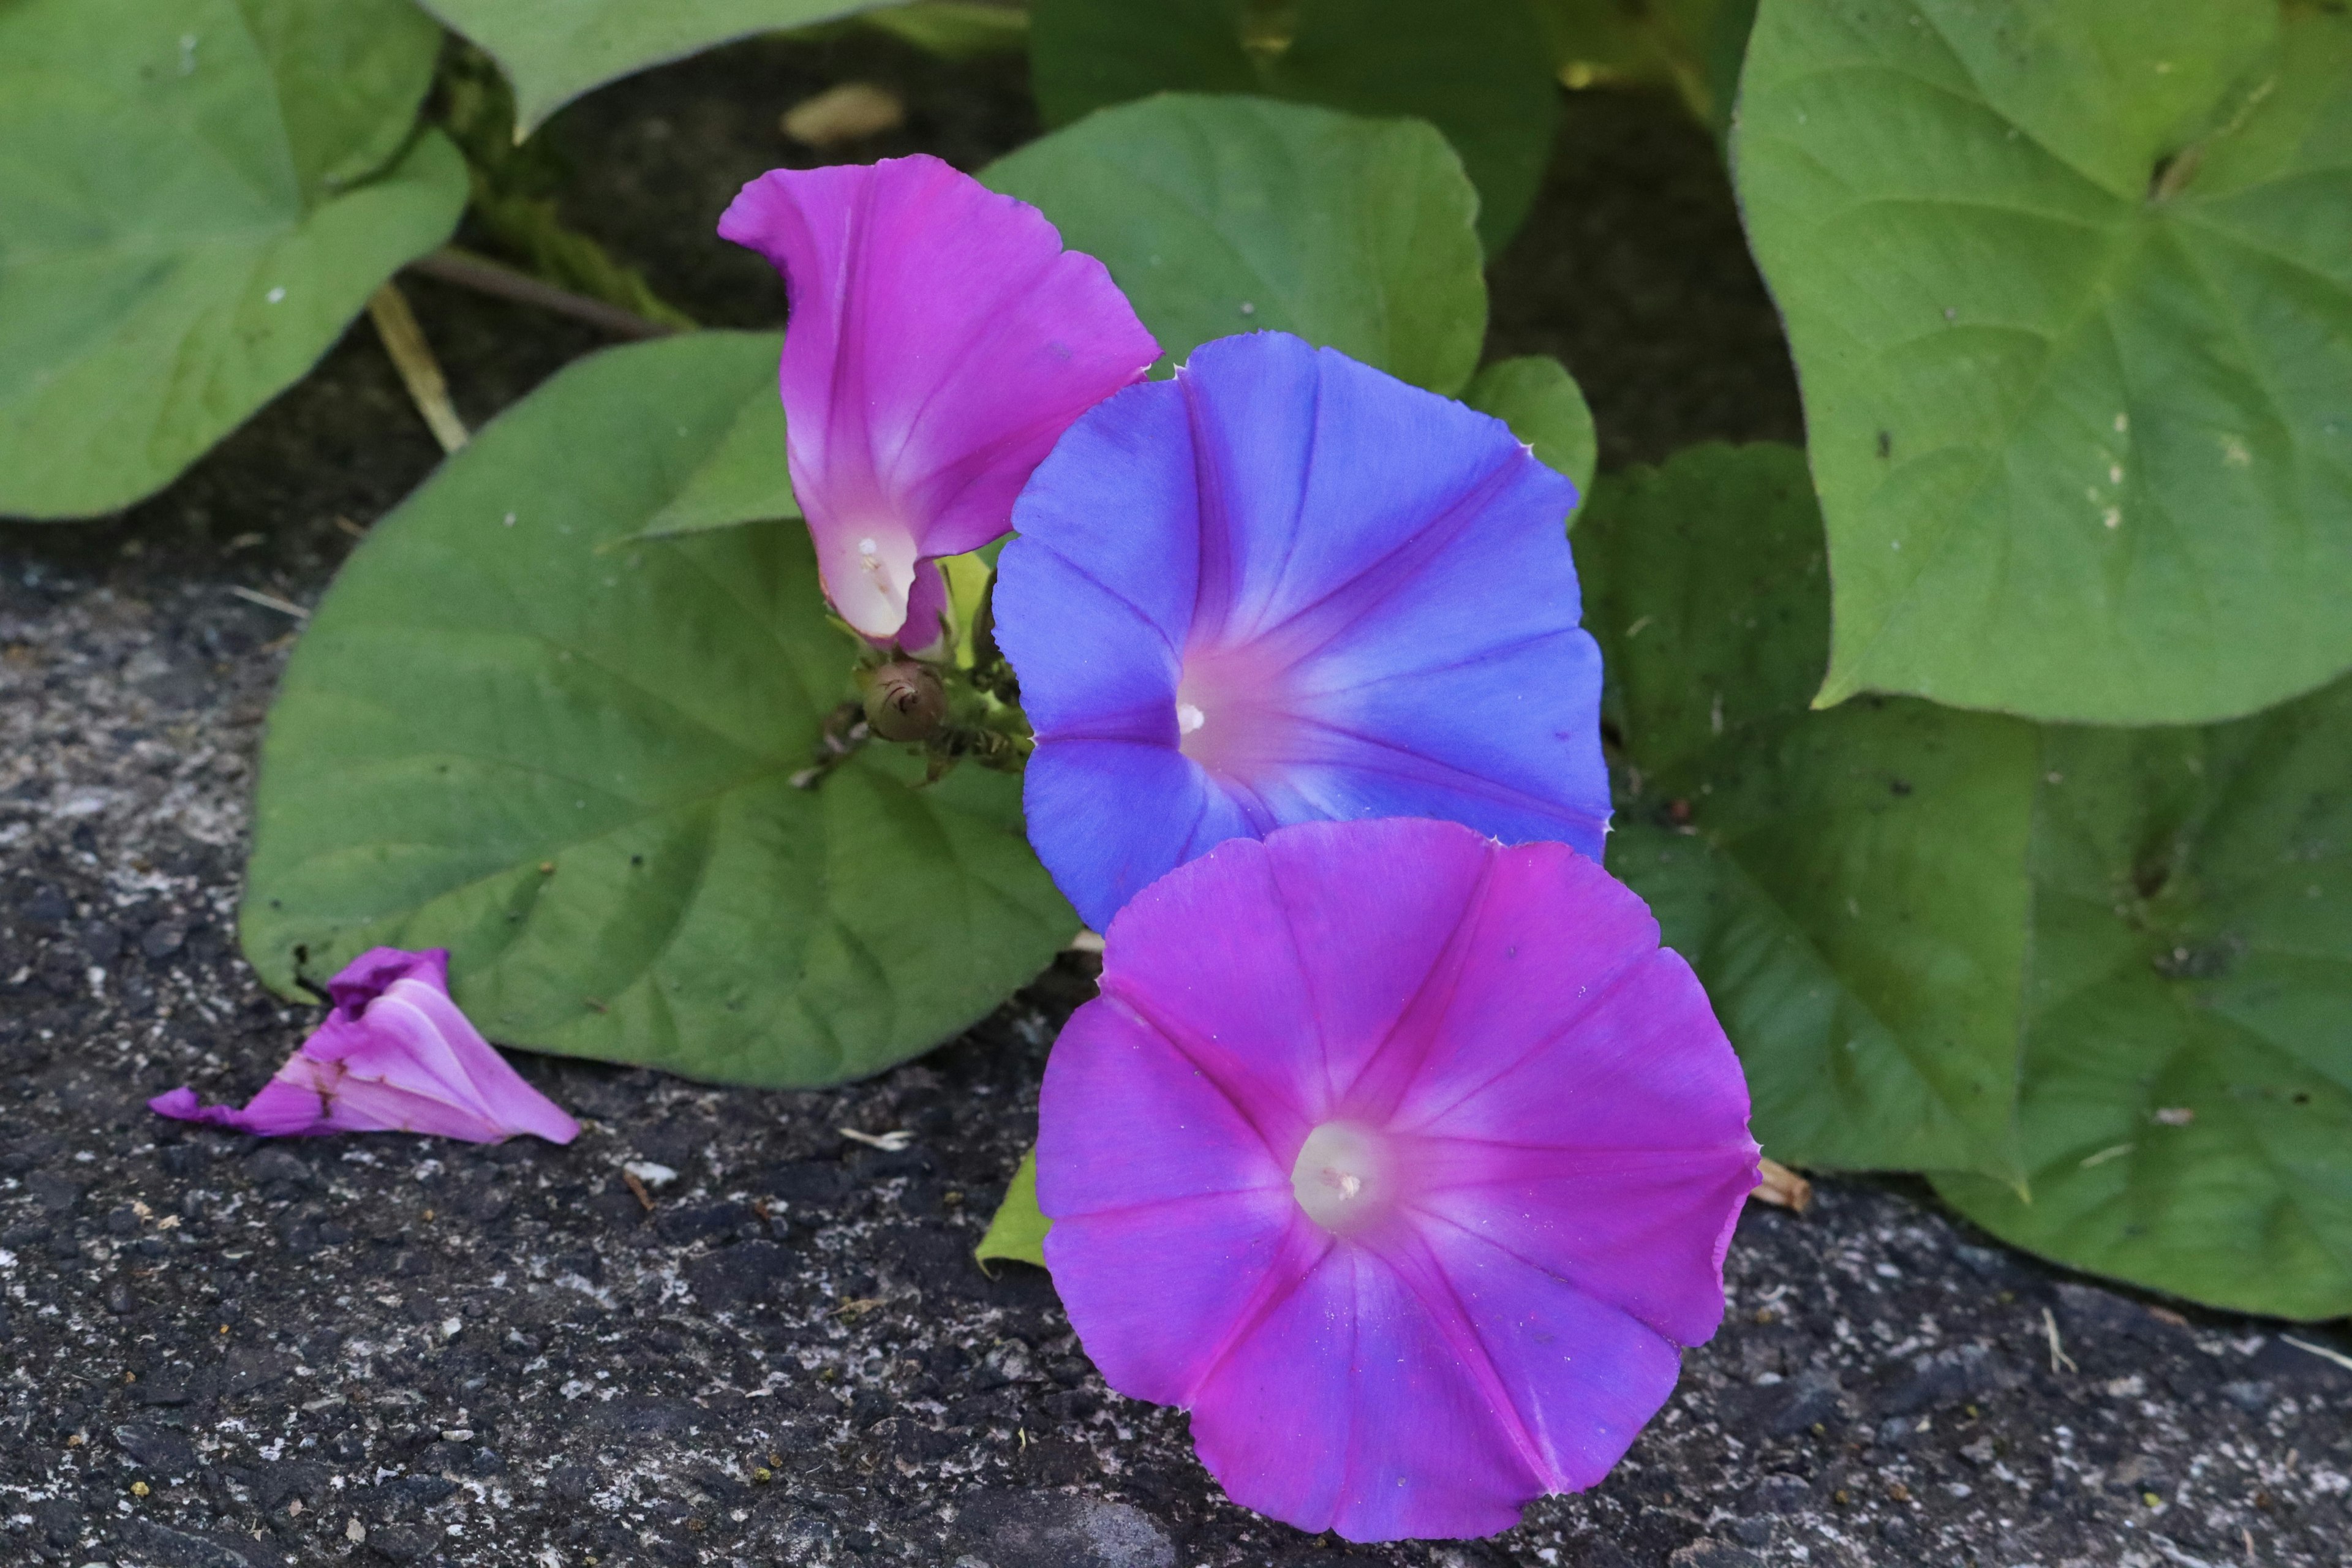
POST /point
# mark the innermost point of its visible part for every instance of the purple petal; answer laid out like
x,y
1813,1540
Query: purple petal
x,y
1347,1407
1201,1217
940,341
1572,1379
1515,1141
396,1055
1253,1032
281,1110
1118,671
1367,592
375,971
928,607
1550,933
1372,909
1637,1230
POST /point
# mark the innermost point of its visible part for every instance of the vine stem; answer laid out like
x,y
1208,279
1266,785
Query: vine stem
x,y
468,270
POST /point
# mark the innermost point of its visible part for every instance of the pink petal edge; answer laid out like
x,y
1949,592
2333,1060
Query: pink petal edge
x,y
940,342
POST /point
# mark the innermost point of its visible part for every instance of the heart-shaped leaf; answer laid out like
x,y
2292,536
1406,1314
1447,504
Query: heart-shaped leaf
x,y
575,766
2068,284
554,50
1541,403
2188,1094
741,480
1224,215
194,202
1479,70
1849,886
2103,978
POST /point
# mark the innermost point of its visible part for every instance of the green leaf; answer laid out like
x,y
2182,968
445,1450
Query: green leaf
x,y
554,50
194,202
1849,886
573,767
1017,1230
1536,396
1477,69
1906,914
2068,284
742,480
955,29
2188,1097
1222,215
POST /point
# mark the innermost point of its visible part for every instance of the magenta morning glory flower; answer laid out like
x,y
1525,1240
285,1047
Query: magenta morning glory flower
x,y
941,339
394,1056
1403,1160
1285,587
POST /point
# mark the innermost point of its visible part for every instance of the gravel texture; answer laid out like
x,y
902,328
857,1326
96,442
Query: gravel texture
x,y
216,1351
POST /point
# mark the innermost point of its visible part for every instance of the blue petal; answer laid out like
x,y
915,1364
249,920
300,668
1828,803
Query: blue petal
x,y
1092,665
1116,498
1111,817
1384,572
1319,474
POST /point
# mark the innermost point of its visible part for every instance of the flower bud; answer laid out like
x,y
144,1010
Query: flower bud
x,y
905,702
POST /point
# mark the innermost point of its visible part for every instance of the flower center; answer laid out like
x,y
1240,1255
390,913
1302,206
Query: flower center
x,y
1343,1178
1229,711
868,575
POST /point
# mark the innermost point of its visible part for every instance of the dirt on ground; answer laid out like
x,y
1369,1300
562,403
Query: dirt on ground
x,y
222,1353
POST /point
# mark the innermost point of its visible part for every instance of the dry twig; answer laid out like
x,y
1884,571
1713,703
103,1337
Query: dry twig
x,y
403,340
2058,1356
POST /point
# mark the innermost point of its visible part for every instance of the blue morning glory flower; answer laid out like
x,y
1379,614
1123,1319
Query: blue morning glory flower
x,y
1286,587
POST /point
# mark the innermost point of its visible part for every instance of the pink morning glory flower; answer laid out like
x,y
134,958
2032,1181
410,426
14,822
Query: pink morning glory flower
x,y
1286,587
394,1056
940,342
1403,1160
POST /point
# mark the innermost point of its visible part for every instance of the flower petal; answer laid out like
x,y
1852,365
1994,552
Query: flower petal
x,y
1254,1031
1348,1408
375,971
1116,499
1368,589
1551,933
1116,672
1155,1181
1323,478
940,341
1111,817
1128,1120
1573,1379
1372,909
396,1055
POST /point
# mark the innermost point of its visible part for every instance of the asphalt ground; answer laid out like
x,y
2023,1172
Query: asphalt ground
x,y
218,1352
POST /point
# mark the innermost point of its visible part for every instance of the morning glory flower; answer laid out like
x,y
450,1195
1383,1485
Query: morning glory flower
x,y
1403,1160
394,1056
1285,587
941,339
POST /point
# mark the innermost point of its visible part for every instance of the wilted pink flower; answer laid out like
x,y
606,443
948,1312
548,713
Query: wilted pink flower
x,y
940,341
1404,1161
396,1055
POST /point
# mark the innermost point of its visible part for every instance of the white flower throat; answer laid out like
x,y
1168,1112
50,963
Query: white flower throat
x,y
1343,1176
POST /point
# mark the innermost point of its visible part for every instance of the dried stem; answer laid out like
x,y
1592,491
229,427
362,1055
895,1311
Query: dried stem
x,y
403,340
